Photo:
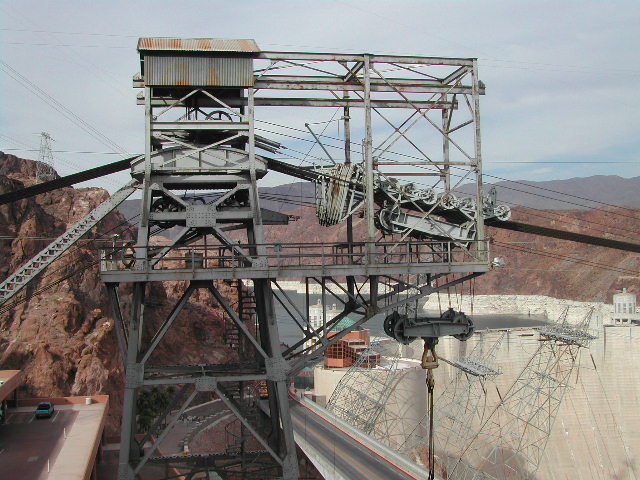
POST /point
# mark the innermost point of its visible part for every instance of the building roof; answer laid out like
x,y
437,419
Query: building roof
x,y
346,322
197,44
70,439
10,380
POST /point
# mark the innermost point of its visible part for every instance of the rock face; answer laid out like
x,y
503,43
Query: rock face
x,y
556,268
63,338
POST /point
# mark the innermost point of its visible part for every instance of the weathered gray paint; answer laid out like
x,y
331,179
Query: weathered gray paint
x,y
197,70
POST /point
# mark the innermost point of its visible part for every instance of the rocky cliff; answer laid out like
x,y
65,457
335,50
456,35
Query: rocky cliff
x,y
544,266
63,339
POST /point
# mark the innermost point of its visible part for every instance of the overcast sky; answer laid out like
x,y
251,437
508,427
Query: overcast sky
x,y
562,78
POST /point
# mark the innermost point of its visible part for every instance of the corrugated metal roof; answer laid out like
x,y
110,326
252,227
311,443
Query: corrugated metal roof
x,y
197,44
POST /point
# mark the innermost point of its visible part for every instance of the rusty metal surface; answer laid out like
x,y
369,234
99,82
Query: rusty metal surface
x,y
198,71
197,44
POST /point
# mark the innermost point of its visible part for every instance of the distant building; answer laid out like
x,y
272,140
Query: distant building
x,y
318,316
625,308
344,352
349,348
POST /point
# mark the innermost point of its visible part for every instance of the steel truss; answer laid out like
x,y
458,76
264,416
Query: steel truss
x,y
373,398
204,138
44,168
511,440
362,393
462,406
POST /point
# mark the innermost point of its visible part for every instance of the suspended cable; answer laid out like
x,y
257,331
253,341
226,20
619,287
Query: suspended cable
x,y
586,221
559,256
485,174
59,107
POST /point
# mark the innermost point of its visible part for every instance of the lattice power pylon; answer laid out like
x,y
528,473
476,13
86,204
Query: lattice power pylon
x,y
462,406
362,393
511,441
44,168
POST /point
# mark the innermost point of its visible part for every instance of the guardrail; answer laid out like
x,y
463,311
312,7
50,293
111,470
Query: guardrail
x,y
400,461
281,255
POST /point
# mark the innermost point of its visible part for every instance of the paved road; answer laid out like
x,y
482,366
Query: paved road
x,y
26,443
350,458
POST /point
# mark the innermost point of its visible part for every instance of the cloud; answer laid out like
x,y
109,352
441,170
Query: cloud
x,y
561,77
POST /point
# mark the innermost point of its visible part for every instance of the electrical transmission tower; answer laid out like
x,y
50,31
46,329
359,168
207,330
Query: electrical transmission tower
x,y
462,407
511,441
44,167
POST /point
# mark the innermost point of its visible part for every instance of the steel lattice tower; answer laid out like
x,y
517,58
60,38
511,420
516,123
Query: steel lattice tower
x,y
362,393
462,406
44,168
511,441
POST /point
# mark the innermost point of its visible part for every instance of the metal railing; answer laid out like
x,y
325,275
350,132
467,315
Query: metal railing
x,y
283,255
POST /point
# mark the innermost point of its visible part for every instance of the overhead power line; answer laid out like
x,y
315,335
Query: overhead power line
x,y
418,183
413,157
560,256
83,152
59,107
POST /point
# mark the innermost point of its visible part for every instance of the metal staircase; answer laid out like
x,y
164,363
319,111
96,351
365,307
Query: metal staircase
x,y
246,307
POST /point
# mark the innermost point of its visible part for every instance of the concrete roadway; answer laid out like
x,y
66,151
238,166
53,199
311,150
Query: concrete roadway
x,y
26,443
350,458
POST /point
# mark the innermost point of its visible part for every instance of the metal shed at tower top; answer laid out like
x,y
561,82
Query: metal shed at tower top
x,y
197,61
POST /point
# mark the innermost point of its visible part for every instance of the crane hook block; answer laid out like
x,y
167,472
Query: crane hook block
x,y
404,329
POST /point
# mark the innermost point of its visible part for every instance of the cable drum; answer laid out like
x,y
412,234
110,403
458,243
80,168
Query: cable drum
x,y
165,205
128,255
449,201
468,206
384,220
337,196
393,326
502,212
428,195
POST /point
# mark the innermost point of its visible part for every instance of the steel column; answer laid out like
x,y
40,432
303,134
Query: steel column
x,y
368,162
129,449
478,160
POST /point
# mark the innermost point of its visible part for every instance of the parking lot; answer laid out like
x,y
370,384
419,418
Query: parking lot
x,y
27,444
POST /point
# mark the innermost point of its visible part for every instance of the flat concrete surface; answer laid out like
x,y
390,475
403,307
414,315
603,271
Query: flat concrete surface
x,y
34,449
9,380
348,457
27,443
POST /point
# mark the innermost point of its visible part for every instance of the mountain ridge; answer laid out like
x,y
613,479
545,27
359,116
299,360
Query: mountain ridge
x,y
568,194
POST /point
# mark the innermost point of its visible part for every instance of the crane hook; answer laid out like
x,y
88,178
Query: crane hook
x,y
429,363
